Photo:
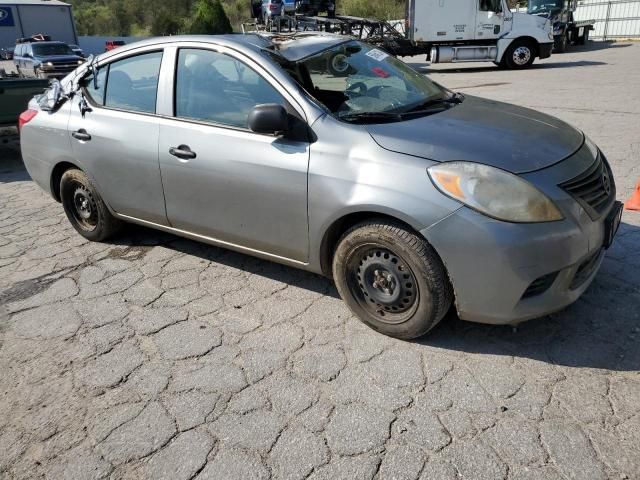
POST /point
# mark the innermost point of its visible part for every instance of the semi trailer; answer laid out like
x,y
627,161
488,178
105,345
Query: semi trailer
x,y
445,30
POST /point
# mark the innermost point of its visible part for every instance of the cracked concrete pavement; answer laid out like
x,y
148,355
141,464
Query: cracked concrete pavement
x,y
156,357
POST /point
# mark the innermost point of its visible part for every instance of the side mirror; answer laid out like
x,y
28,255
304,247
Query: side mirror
x,y
269,118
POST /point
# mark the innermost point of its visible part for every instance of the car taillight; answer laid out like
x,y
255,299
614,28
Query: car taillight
x,y
25,117
273,7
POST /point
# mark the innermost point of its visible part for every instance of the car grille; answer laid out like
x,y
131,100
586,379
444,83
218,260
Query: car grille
x,y
540,285
585,270
594,188
64,67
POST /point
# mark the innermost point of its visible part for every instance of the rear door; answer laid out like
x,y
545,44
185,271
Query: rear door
x,y
116,142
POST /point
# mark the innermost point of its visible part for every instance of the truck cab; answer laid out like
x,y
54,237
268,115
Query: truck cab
x,y
478,30
566,29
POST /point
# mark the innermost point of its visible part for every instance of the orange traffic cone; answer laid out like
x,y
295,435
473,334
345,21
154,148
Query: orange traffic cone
x,y
634,202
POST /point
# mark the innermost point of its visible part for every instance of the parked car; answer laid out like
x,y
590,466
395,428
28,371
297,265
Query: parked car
x,y
46,59
6,53
113,44
77,50
407,194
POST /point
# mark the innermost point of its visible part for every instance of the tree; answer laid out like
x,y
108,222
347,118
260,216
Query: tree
x,y
165,24
210,18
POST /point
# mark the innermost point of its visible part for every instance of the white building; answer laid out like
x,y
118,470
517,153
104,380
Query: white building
x,y
23,18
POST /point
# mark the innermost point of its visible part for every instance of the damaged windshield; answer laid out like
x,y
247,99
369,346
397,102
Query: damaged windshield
x,y
541,6
355,80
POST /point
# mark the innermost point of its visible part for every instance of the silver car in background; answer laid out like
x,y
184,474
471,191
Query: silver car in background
x,y
413,198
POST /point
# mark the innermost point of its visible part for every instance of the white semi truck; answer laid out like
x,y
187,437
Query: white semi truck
x,y
446,31
477,31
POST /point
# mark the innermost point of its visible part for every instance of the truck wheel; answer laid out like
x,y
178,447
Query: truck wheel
x,y
392,279
520,54
560,43
85,208
584,39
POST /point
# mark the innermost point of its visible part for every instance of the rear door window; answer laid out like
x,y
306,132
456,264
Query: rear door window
x,y
132,83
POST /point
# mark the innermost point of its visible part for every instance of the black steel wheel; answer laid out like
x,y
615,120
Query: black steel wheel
x,y
392,279
84,207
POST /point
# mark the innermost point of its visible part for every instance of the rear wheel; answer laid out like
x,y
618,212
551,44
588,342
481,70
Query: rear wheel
x,y
392,279
584,39
85,208
560,43
520,54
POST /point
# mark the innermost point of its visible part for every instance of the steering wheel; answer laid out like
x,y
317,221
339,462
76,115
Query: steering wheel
x,y
375,91
358,88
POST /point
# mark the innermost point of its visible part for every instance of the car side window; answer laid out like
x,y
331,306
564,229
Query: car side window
x,y
490,6
132,83
97,94
214,87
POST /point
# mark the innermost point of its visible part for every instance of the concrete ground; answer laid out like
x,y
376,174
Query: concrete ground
x,y
156,357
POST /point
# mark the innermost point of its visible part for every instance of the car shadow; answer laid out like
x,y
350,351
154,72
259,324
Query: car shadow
x,y
601,330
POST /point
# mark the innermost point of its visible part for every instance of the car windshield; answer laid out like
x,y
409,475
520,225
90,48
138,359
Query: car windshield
x,y
45,50
539,6
354,78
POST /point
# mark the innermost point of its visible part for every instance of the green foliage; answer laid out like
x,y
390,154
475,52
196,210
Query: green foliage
x,y
210,18
167,17
383,9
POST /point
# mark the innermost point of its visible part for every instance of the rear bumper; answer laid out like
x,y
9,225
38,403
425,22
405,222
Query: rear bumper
x,y
545,50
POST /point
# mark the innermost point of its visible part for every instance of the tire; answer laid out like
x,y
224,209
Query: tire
x,y
85,208
560,44
584,39
392,279
338,65
520,54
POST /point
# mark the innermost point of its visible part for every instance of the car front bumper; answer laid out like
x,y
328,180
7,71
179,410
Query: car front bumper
x,y
495,266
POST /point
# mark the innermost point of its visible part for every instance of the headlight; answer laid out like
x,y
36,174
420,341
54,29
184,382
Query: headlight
x,y
46,66
80,62
493,192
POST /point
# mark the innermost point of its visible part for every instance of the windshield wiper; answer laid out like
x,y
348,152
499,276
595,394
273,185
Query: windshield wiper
x,y
370,116
453,99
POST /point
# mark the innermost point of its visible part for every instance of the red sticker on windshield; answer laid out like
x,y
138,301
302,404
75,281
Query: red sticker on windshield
x,y
380,72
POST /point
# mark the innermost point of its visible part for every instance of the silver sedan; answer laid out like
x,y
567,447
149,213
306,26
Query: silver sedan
x,y
327,154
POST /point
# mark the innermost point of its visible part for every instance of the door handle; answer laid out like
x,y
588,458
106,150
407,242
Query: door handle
x,y
81,135
183,152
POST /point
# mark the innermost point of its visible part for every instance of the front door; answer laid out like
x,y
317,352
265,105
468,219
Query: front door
x,y
490,20
117,141
220,179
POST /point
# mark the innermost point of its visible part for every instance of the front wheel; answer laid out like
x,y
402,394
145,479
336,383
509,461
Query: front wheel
x,y
520,54
392,279
85,208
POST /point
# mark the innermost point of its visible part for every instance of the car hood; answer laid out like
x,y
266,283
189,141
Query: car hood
x,y
506,136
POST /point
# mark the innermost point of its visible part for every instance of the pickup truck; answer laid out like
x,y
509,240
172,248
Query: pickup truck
x,y
15,94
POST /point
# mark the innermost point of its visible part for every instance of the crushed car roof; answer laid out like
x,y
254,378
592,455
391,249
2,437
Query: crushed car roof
x,y
292,47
